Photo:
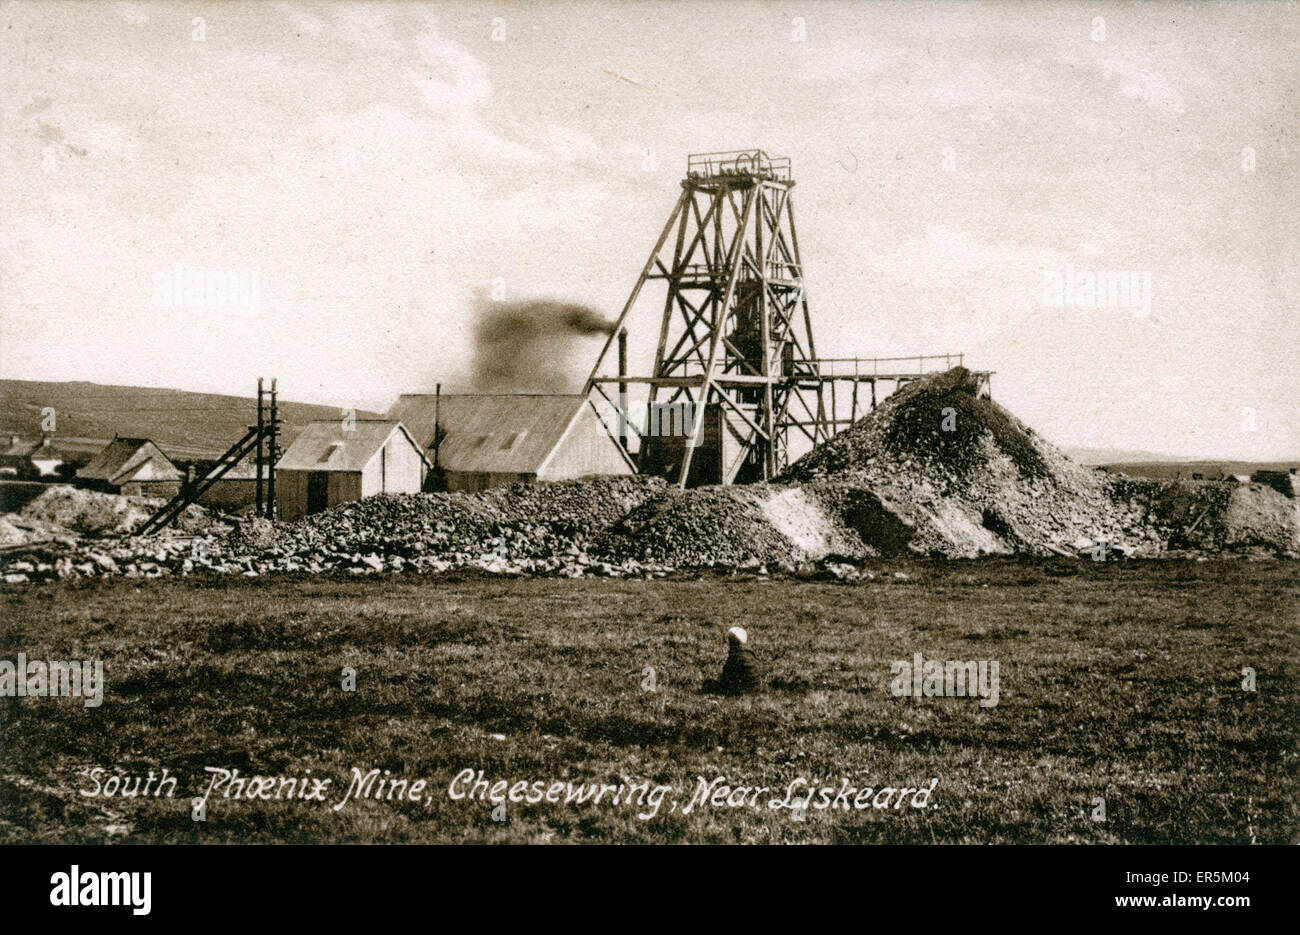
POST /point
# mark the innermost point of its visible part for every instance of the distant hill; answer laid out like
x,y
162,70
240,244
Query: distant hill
x,y
1210,470
185,425
1097,456
1153,464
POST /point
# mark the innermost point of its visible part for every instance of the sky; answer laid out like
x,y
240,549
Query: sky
x,y
350,181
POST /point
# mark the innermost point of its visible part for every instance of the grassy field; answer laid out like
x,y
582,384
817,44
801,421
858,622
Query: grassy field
x,y
1120,682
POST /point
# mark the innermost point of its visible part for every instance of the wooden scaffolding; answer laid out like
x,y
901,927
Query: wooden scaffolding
x,y
735,367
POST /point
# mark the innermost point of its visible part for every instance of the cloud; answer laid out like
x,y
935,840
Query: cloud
x,y
463,84
364,20
104,140
456,87
965,250
83,136
38,105
950,95
377,166
1129,78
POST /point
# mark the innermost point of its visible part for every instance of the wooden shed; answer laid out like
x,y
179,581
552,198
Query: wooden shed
x,y
335,461
489,440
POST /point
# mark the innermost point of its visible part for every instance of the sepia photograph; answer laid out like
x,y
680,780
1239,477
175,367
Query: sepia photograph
x,y
710,422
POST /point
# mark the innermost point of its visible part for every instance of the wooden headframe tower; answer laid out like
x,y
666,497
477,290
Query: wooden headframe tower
x,y
735,369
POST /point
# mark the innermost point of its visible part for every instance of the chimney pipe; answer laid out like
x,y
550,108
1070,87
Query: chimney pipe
x,y
260,461
622,388
272,453
437,423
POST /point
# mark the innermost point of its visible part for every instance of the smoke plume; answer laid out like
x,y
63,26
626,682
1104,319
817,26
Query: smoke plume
x,y
534,346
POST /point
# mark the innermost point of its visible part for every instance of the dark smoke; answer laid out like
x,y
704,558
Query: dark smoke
x,y
534,347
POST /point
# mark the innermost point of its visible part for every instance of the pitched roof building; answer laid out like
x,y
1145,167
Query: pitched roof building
x,y
488,440
333,461
125,460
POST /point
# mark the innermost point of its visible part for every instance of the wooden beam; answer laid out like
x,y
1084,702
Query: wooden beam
x,y
737,248
636,290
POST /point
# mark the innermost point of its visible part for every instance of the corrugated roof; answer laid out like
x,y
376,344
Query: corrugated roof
x,y
496,433
326,446
123,458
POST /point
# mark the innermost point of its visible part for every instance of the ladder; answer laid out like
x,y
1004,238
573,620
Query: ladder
x,y
190,493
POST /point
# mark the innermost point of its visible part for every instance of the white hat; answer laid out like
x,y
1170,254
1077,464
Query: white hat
x,y
738,635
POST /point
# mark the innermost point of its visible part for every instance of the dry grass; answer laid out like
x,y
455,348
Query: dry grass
x,y
1117,681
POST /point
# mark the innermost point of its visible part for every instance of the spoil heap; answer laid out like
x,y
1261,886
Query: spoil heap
x,y
1213,516
536,527
935,470
63,508
85,511
703,527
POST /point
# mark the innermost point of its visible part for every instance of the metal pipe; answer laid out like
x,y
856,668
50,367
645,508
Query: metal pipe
x,y
272,453
257,463
622,388
437,423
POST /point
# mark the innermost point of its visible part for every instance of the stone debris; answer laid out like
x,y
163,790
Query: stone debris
x,y
938,470
63,509
934,471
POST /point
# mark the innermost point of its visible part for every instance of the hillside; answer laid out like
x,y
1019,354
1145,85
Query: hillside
x,y
1094,457
1210,470
184,424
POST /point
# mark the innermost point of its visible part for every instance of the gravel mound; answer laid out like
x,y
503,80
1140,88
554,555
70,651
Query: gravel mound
x,y
11,534
702,527
85,511
1213,516
63,508
935,470
520,521
939,470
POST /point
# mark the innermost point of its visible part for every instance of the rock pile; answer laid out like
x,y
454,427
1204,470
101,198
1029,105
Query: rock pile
x,y
941,471
1213,516
704,527
64,556
63,508
936,470
547,528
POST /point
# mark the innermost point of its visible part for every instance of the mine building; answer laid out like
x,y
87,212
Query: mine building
x,y
129,466
334,461
475,441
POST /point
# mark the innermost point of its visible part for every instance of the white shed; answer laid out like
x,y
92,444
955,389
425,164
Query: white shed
x,y
334,461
